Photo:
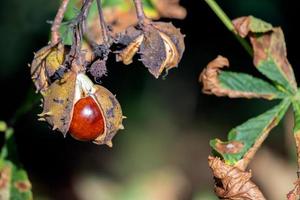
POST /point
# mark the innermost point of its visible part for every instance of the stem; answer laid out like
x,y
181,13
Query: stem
x,y
227,22
102,23
57,22
139,10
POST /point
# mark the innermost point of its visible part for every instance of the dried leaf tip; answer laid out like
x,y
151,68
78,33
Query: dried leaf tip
x,y
209,76
232,183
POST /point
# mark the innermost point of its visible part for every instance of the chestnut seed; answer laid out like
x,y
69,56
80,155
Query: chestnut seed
x,y
87,122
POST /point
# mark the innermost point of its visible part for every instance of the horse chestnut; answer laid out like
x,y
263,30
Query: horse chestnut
x,y
75,105
87,121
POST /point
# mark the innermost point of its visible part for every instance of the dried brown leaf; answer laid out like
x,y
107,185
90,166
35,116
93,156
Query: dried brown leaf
x,y
232,183
229,147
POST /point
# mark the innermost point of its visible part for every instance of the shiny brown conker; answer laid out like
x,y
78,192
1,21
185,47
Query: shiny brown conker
x,y
87,122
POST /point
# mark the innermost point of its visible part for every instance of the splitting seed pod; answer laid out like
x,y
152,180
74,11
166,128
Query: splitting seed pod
x,y
160,45
87,111
47,61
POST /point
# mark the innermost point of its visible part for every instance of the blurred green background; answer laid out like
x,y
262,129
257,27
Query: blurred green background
x,y
162,153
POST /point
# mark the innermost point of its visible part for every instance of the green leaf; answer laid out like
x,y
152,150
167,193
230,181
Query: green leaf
x,y
244,136
66,34
15,184
248,85
15,181
272,70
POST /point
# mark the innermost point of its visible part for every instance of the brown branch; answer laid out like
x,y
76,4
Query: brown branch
x,y
103,24
139,10
74,58
55,36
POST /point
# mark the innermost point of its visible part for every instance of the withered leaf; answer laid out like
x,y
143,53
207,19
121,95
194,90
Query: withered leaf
x,y
270,55
232,183
234,85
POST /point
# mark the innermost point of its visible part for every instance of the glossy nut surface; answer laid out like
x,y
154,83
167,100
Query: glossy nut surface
x,y
87,121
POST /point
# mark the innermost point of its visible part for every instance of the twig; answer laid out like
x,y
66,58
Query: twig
x,y
57,22
227,22
103,24
139,10
78,25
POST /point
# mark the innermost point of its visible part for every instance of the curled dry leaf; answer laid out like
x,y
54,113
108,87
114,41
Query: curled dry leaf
x,y
63,94
44,65
234,85
270,55
232,183
160,46
209,77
